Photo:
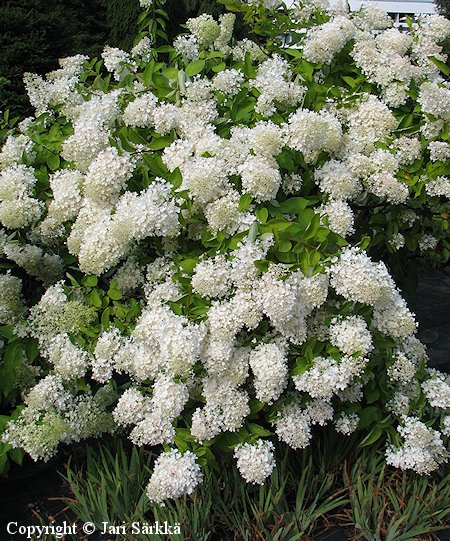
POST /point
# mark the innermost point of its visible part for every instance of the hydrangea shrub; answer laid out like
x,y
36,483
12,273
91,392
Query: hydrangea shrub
x,y
191,235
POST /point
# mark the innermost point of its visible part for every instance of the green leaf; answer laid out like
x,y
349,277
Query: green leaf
x,y
16,455
245,201
374,435
72,280
284,246
105,317
352,83
219,67
302,364
161,142
262,214
54,162
256,406
95,299
294,205
90,281
369,415
31,347
114,294
188,264
194,67
148,73
286,161
249,69
441,65
258,430
262,265
171,73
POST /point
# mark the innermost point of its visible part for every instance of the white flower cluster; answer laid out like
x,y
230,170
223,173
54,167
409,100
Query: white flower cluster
x,y
66,186
440,186
69,361
53,416
357,278
58,88
351,335
347,423
14,148
101,239
435,100
228,82
18,208
11,302
273,81
255,462
117,62
325,41
173,476
178,190
107,176
437,390
327,377
422,449
439,151
311,132
92,121
45,267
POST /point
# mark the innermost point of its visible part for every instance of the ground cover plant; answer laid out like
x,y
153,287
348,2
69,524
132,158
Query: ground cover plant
x,y
191,241
305,496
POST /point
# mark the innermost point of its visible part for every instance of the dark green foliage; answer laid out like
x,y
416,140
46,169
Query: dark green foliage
x,y
121,17
443,7
35,33
181,10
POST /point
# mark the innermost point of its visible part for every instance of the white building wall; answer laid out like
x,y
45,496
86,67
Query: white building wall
x,y
399,6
